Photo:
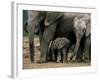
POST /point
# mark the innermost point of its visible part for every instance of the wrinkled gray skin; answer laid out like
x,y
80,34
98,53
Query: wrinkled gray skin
x,y
62,46
56,24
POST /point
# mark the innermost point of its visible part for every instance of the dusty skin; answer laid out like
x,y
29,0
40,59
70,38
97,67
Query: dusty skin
x,y
28,65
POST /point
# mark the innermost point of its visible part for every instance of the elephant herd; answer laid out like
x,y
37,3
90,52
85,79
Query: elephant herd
x,y
59,33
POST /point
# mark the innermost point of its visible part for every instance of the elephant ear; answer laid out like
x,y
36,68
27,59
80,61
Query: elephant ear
x,y
52,17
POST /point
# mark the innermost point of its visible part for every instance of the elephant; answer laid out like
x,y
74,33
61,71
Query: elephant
x,y
62,45
33,24
82,27
73,26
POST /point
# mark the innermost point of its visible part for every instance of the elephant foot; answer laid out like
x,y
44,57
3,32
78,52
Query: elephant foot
x,y
72,56
43,60
64,61
49,59
58,61
87,60
54,59
79,60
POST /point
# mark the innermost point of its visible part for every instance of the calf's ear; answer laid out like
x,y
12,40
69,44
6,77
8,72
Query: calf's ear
x,y
51,17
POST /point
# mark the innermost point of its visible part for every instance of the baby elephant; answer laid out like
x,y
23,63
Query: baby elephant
x,y
62,45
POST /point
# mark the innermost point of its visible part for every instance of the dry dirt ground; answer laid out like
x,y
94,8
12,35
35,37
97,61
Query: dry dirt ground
x,y
28,65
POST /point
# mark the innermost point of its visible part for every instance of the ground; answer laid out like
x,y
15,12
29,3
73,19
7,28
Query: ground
x,y
28,65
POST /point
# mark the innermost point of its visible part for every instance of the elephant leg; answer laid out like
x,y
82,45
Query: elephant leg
x,y
59,56
78,39
86,53
90,52
31,46
31,29
47,37
40,34
53,54
50,53
44,49
64,55
79,56
31,40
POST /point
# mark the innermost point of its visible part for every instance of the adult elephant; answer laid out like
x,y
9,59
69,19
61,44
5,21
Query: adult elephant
x,y
70,25
34,23
82,27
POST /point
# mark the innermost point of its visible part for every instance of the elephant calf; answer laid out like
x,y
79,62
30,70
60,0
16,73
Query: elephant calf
x,y
61,44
